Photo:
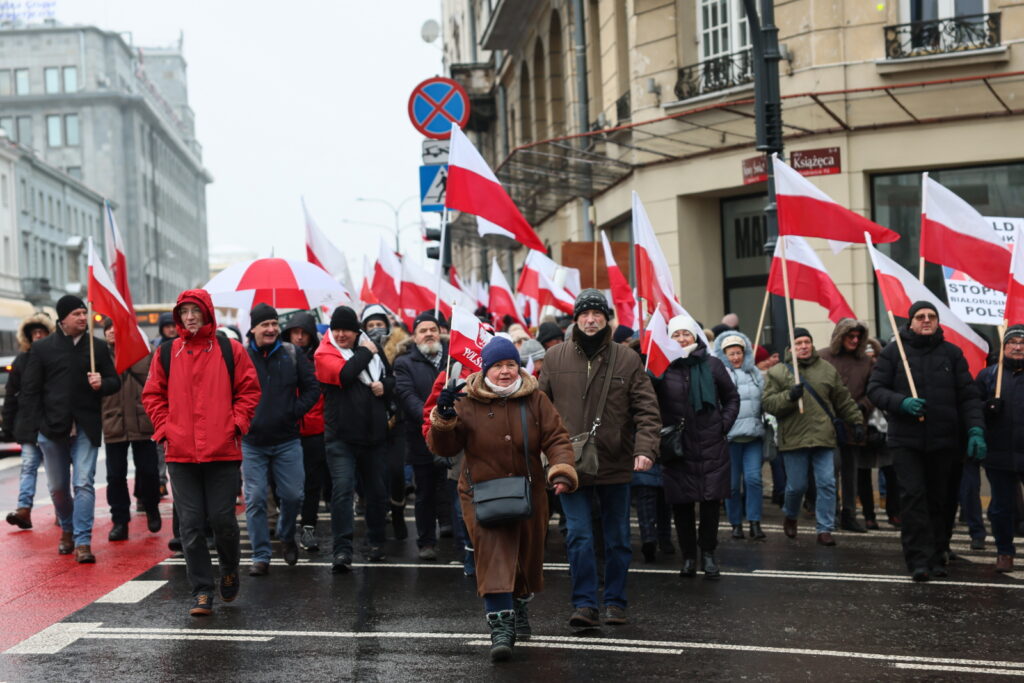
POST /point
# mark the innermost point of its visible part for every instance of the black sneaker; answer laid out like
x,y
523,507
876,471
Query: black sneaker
x,y
615,615
153,521
174,544
229,586
342,565
202,605
585,617
259,569
375,553
308,539
290,552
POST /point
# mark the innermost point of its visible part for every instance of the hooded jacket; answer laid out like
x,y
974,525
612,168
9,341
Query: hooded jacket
x,y
198,412
414,378
855,367
1004,432
312,423
288,389
749,385
13,387
351,412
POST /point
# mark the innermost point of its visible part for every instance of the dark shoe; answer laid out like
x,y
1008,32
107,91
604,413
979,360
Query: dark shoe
x,y
398,525
428,554
871,525
666,547
648,549
755,532
341,565
615,615
689,567
375,553
202,605
174,544
66,546
503,634
789,527
523,630
921,575
977,544
939,572
153,521
895,522
737,532
83,555
118,532
259,569
229,586
1004,563
825,538
585,617
711,570
21,518
445,531
290,552
308,539
848,522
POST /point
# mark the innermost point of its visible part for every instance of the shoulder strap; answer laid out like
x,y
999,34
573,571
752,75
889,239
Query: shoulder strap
x,y
165,356
604,388
229,360
526,438
814,395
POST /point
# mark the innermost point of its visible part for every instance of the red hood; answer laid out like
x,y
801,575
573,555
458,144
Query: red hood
x,y
201,298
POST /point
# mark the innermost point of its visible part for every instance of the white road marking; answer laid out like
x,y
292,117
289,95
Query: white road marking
x,y
194,635
586,646
131,592
959,669
53,639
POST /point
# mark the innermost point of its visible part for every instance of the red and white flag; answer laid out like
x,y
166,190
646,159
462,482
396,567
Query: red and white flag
x,y
501,301
468,336
537,263
653,278
1014,312
473,188
900,289
387,278
115,256
549,294
419,293
130,344
954,234
661,349
808,279
806,210
366,294
320,251
622,294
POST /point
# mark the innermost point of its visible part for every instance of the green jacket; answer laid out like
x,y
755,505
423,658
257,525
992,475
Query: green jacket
x,y
812,429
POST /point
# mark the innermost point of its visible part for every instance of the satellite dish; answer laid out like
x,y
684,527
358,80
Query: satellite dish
x,y
430,31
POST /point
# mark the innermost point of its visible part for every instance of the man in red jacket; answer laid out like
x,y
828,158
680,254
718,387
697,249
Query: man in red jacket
x,y
201,394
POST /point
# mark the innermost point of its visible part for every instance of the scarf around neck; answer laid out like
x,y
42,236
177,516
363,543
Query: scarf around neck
x,y
702,386
373,372
505,392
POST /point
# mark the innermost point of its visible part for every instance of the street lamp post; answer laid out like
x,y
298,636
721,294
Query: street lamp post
x,y
395,210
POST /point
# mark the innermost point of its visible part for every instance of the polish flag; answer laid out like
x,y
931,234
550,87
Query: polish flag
x,y
1014,313
622,294
806,210
387,278
130,344
808,279
552,295
473,188
954,234
538,263
468,336
115,255
502,302
900,289
484,228
366,294
654,280
419,293
320,251
661,349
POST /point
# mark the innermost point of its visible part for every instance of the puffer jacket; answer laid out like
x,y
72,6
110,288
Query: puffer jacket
x,y
1004,432
812,428
197,410
855,367
749,384
124,417
414,378
312,423
8,420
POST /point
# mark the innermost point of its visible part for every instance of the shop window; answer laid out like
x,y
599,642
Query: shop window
x,y
744,262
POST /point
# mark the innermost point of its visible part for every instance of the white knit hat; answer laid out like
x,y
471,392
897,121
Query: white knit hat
x,y
684,322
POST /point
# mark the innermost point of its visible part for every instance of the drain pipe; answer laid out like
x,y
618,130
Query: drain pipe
x,y
582,101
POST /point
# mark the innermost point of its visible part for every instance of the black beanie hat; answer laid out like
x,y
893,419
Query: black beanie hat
x,y
424,317
1013,331
344,318
622,333
918,305
66,304
548,332
591,300
261,313
801,332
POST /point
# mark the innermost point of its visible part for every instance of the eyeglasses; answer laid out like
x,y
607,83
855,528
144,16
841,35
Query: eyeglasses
x,y
1015,342
922,317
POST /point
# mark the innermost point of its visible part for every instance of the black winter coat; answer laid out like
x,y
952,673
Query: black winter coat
x,y
55,391
351,412
703,473
953,403
1004,432
9,419
414,379
288,389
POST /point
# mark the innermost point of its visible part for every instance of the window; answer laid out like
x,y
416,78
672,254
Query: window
x,y
71,133
24,126
5,82
75,172
5,196
723,28
7,123
51,80
21,81
70,79
929,10
54,134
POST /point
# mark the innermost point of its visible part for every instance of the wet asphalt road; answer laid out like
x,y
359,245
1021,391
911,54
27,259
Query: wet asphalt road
x,y
784,610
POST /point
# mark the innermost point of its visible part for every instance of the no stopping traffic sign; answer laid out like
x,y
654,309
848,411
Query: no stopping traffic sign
x,y
437,103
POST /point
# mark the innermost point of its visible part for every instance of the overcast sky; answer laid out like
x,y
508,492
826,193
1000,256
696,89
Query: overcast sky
x,y
305,98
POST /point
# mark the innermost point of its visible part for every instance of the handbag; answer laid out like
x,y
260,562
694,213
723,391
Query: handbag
x,y
584,446
671,447
837,423
505,499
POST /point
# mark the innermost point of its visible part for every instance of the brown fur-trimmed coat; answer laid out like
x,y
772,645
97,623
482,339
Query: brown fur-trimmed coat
x,y
509,558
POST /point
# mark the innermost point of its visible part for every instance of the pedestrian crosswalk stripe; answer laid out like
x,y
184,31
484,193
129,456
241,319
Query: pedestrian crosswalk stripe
x,y
131,592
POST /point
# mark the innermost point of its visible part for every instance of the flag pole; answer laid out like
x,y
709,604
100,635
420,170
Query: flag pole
x,y
999,369
440,261
92,341
789,316
920,237
595,262
760,323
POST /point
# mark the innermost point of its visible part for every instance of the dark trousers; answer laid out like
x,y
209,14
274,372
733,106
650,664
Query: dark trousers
x,y
952,501
395,474
778,478
970,499
314,462
848,478
344,461
652,514
689,536
1005,486
866,492
147,478
924,491
206,491
429,478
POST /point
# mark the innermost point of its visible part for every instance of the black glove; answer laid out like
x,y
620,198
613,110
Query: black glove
x,y
994,406
859,433
446,402
796,392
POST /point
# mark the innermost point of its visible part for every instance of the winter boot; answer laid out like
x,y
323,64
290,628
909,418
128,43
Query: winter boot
x,y
21,518
523,630
398,522
503,634
756,533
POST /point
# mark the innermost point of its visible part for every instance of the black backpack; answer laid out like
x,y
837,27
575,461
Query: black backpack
x,y
225,349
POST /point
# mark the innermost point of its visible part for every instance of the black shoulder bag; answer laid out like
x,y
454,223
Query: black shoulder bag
x,y
837,423
505,499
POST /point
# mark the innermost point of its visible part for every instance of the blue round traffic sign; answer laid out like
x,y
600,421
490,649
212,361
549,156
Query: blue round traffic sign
x,y
437,103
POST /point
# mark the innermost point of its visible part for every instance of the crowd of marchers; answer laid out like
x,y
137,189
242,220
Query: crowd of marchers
x,y
372,410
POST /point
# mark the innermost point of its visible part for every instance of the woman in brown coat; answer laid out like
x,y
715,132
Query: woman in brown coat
x,y
487,425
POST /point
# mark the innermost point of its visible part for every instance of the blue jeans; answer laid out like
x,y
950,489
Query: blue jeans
x,y
284,462
746,461
31,457
970,500
71,463
343,461
823,461
1004,484
614,502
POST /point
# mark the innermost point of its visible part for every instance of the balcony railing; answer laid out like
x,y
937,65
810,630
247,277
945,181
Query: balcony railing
x,y
717,73
941,36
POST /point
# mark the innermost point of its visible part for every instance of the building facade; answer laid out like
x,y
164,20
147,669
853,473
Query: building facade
x,y
658,99
115,117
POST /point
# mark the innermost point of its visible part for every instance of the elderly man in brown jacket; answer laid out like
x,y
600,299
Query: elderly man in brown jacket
x,y
846,353
625,434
